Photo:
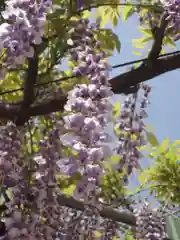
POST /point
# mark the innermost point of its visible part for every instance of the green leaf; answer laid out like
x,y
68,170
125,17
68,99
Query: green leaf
x,y
86,14
163,147
127,12
109,13
146,39
148,127
59,25
145,31
169,41
98,234
116,109
117,42
2,200
69,190
142,178
138,43
57,13
116,130
107,44
115,238
9,193
177,142
136,53
163,51
57,1
128,235
115,159
173,227
142,41
152,139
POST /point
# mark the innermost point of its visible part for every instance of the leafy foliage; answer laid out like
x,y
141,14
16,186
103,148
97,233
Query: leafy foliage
x,y
109,40
163,175
109,13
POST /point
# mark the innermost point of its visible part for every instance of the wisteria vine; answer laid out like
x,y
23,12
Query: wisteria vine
x,y
77,144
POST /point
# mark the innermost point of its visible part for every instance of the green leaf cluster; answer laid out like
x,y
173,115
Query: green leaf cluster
x,y
109,40
112,186
164,175
109,13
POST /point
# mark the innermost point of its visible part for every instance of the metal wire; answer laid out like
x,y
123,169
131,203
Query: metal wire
x,y
66,78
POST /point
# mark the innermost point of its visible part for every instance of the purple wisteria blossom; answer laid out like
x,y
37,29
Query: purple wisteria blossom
x,y
88,110
80,3
10,151
24,27
131,126
33,212
150,223
173,9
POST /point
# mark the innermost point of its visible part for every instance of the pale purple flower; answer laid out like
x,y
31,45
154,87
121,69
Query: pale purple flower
x,y
150,223
131,126
27,20
173,10
80,3
88,109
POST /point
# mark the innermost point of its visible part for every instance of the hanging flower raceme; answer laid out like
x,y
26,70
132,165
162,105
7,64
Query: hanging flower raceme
x,y
131,126
88,111
32,211
11,140
173,9
45,219
25,27
149,223
11,172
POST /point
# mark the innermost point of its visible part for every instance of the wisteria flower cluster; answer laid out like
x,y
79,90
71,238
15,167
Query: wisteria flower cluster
x,y
24,27
173,9
88,112
33,211
150,223
131,126
109,230
11,139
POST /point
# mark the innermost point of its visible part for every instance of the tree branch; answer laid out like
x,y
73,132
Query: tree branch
x,y
28,96
48,107
124,81
158,40
8,111
120,84
30,80
106,212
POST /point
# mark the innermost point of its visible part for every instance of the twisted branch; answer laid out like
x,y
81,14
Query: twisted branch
x,y
29,83
158,40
